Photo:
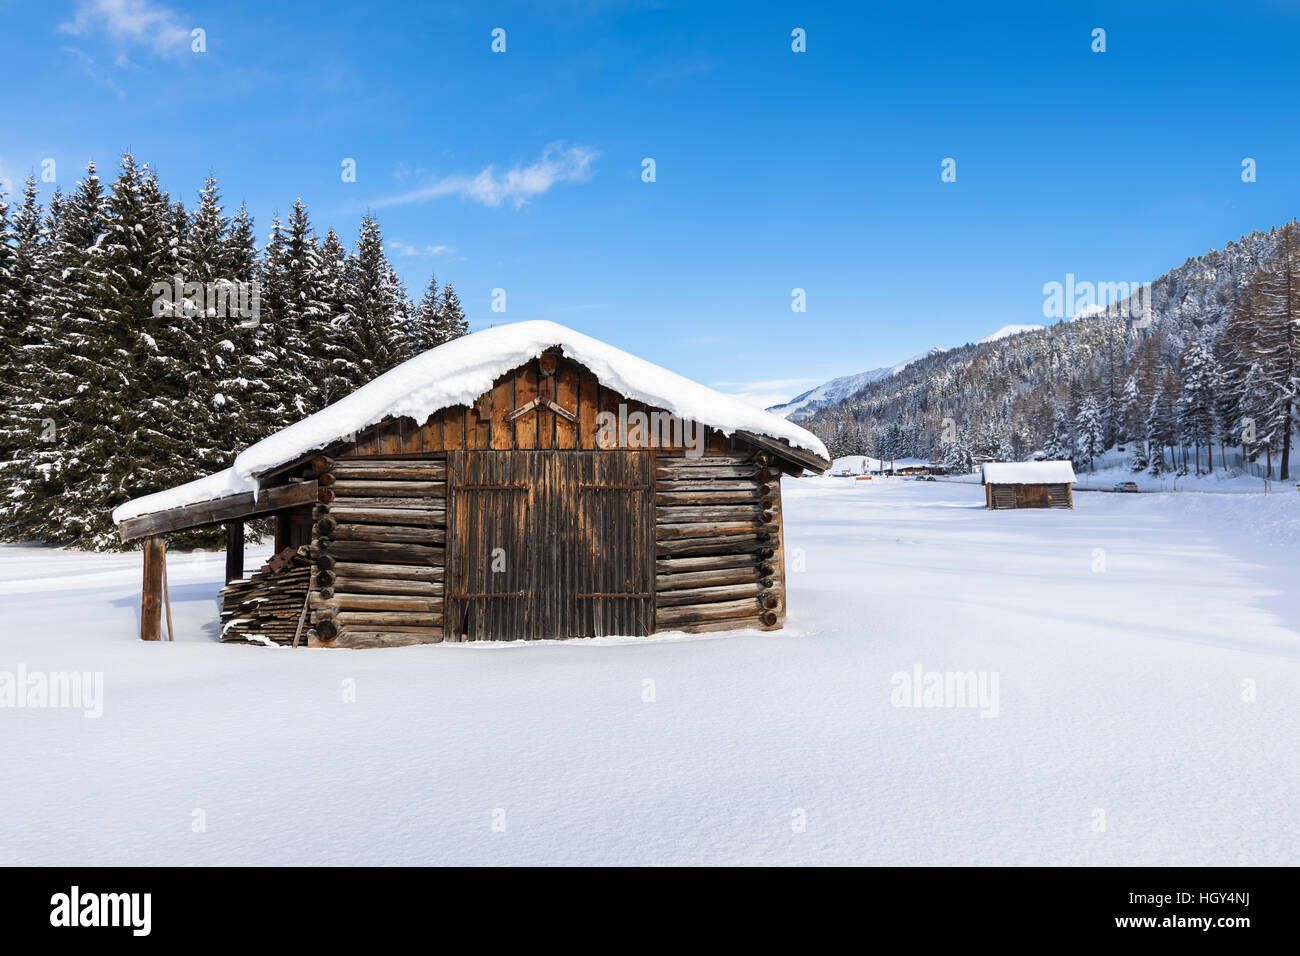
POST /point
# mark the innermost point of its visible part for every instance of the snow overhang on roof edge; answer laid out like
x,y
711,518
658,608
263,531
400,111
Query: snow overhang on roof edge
x,y
457,373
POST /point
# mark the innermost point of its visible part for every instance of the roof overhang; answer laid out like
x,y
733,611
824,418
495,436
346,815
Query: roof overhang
x,y
219,510
800,457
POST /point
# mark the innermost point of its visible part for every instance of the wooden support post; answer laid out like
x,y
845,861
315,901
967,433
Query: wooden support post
x,y
167,598
151,593
281,531
234,551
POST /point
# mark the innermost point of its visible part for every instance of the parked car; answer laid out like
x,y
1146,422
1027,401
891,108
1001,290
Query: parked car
x,y
930,478
1126,486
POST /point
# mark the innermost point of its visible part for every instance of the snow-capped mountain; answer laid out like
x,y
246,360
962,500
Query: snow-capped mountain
x,y
801,406
1026,388
837,389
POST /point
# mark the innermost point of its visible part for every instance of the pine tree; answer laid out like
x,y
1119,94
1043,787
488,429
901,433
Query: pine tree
x,y
1060,442
222,257
134,424
1140,459
372,340
273,334
335,292
114,386
424,331
1256,400
22,328
1231,350
240,247
1161,423
1196,415
451,317
205,250
7,240
1277,346
296,321
1090,431
22,286
63,360
1131,411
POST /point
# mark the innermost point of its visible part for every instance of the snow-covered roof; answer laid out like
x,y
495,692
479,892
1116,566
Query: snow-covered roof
x,y
459,372
221,484
1027,472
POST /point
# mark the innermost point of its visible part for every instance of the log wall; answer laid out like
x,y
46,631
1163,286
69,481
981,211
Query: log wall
x,y
384,550
1059,495
382,539
380,535
718,557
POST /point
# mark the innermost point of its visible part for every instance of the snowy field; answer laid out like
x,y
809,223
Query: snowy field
x,y
1146,652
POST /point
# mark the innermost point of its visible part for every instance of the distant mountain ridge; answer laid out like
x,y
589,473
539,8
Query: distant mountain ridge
x,y
828,393
837,389
1021,389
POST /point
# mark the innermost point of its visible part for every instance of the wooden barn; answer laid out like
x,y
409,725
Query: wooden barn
x,y
523,482
1028,484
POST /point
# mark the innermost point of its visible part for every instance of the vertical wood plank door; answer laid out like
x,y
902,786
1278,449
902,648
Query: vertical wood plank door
x,y
546,544
613,538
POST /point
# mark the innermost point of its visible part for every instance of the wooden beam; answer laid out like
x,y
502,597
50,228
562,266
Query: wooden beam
x,y
234,550
281,531
800,456
151,591
219,510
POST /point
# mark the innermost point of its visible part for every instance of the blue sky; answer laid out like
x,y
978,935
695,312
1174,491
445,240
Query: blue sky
x,y
775,170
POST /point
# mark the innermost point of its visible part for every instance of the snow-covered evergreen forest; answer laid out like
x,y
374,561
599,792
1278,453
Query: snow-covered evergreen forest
x,y
143,344
1205,373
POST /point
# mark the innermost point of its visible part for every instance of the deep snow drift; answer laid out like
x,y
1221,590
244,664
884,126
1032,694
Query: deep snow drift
x,y
1121,634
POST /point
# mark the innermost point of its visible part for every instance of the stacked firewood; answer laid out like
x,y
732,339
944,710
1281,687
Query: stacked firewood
x,y
266,606
717,535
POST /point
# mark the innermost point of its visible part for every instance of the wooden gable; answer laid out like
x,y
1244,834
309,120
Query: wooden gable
x,y
486,423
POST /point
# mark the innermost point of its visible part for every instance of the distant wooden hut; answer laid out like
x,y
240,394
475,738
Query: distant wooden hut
x,y
1028,484
524,482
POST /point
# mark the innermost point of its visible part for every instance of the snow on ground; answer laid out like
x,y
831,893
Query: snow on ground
x,y
1120,692
1230,481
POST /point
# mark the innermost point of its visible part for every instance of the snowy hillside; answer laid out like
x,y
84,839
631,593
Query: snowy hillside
x,y
838,389
1008,330
1183,361
1139,658
801,406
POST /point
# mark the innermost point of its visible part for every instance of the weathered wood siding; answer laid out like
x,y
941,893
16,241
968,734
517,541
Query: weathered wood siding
x,y
483,425
1058,495
549,544
474,526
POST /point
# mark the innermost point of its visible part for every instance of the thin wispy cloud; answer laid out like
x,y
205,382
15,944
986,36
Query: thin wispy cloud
x,y
136,22
408,250
93,70
557,164
764,394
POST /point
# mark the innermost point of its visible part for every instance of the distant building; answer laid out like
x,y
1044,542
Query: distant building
x,y
903,466
1028,484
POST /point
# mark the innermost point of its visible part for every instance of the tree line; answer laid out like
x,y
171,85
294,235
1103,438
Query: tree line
x,y
1214,363
144,344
